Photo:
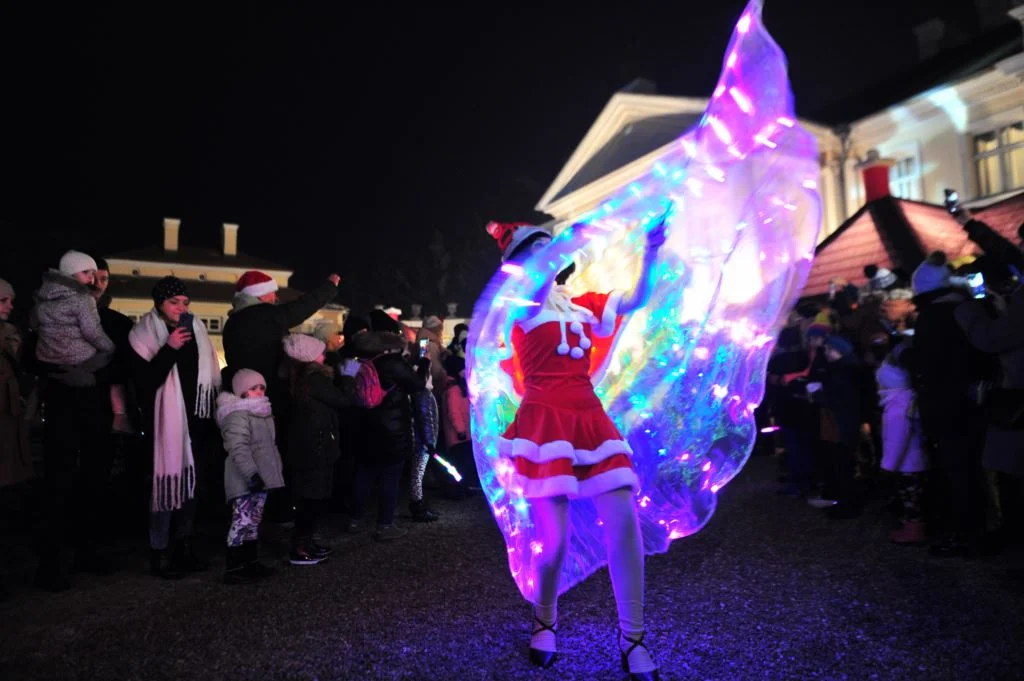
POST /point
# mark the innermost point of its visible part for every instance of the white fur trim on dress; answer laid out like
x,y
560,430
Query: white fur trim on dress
x,y
561,449
261,289
611,311
569,486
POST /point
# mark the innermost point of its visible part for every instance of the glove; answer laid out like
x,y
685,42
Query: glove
x,y
350,367
256,483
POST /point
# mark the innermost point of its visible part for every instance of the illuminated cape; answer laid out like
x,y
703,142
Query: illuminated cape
x,y
681,377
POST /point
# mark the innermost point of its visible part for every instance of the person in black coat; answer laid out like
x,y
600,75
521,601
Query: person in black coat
x,y
841,399
314,440
256,325
944,368
389,426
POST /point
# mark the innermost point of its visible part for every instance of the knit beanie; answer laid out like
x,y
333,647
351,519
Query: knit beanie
x,y
354,324
74,262
818,330
168,287
432,322
255,283
932,275
303,348
840,345
6,290
381,321
246,379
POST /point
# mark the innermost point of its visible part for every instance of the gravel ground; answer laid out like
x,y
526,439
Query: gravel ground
x,y
770,589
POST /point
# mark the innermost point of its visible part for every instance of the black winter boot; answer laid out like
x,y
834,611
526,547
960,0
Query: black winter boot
x,y
237,568
162,565
252,559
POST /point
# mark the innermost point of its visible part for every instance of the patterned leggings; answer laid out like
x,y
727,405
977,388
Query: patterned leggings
x,y
246,514
910,493
419,467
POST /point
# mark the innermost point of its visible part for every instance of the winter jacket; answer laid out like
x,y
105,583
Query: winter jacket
x,y
425,420
15,455
1004,336
247,428
253,333
117,327
903,448
944,367
314,431
435,353
841,398
389,425
69,327
150,377
456,414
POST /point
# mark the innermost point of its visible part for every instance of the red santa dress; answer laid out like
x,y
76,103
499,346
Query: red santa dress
x,y
561,441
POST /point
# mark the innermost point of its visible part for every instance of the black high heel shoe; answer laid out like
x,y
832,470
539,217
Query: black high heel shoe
x,y
636,676
542,658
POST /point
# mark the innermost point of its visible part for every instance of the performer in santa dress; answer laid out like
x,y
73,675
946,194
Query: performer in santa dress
x,y
563,445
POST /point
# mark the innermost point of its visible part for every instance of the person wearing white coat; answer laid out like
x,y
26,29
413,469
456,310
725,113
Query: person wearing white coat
x,y
903,448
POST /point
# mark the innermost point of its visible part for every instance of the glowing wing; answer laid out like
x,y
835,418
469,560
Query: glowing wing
x,y
684,374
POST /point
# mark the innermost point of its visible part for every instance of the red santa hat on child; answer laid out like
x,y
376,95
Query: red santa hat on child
x,y
511,235
255,283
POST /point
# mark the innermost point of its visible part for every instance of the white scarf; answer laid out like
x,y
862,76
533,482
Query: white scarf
x,y
174,475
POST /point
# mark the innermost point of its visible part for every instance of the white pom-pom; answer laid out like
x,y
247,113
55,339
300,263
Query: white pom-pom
x,y
563,348
585,343
577,353
576,328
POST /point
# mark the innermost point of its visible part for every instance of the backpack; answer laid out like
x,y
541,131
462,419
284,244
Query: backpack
x,y
369,391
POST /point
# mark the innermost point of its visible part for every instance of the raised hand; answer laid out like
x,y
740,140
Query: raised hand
x,y
334,279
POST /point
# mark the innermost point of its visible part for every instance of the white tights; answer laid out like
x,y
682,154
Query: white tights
x,y
617,511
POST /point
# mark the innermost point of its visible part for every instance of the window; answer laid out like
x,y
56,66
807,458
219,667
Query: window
x,y
212,324
999,159
905,179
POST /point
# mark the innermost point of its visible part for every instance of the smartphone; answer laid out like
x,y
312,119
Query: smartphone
x,y
977,283
424,343
187,319
952,202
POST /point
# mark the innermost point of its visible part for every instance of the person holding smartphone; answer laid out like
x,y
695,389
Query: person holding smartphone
x,y
177,378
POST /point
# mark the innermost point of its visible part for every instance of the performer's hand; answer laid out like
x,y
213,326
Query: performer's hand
x,y
334,279
656,235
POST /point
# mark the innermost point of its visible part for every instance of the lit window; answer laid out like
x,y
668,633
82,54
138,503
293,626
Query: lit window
x,y
999,159
212,324
904,179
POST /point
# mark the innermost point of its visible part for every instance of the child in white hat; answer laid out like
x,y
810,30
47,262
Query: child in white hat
x,y
252,468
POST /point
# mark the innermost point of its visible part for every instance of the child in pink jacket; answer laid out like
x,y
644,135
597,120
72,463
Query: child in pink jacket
x,y
456,421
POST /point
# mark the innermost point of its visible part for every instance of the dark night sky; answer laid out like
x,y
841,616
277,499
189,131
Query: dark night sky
x,y
341,139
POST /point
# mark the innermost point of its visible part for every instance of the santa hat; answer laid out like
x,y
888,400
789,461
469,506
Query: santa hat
x,y
255,283
512,235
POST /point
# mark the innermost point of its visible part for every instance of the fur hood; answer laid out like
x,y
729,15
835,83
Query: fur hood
x,y
228,403
373,343
59,286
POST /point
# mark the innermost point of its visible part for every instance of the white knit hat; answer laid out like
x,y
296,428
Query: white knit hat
x,y
303,348
246,379
432,322
74,262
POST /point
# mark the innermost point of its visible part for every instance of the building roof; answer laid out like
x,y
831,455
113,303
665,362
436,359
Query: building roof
x,y
195,255
947,67
122,286
897,234
635,140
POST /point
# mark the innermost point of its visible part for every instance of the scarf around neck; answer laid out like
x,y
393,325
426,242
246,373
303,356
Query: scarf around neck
x,y
174,478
